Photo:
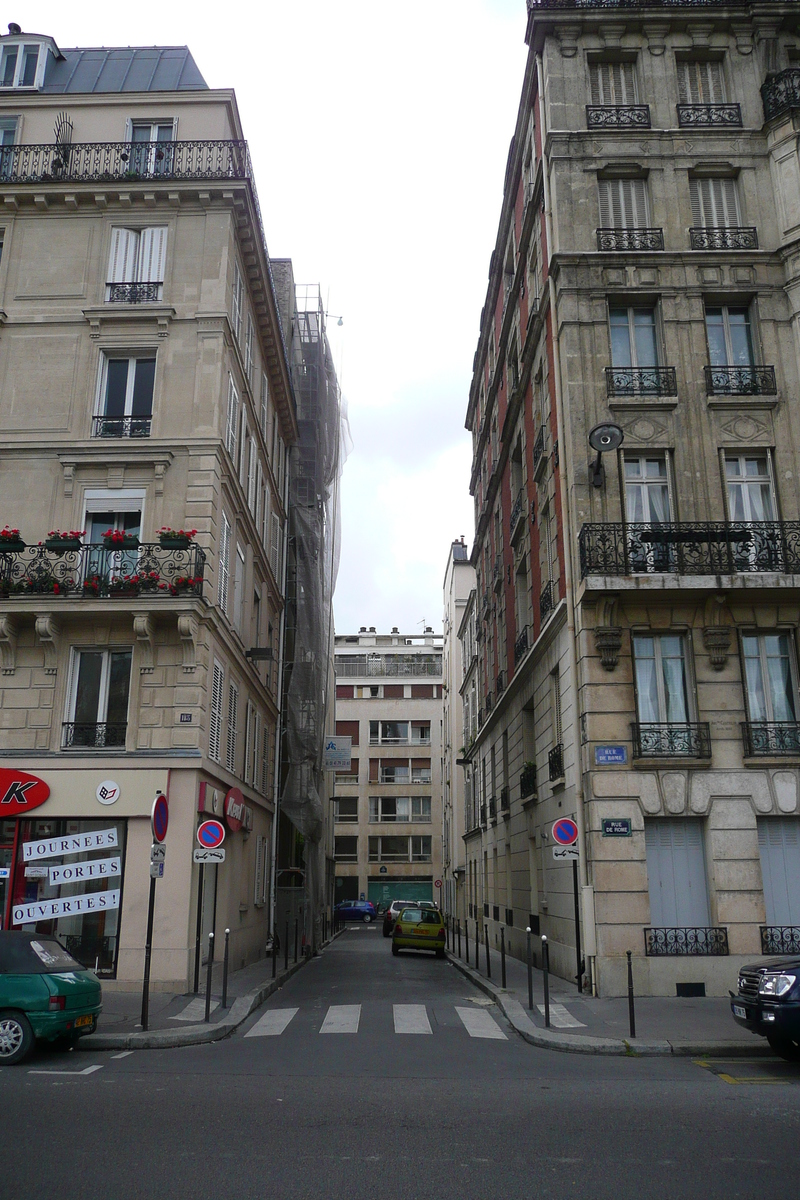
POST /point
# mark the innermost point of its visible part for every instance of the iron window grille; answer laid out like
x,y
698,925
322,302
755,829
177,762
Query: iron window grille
x,y
641,381
685,941
98,571
780,939
741,381
546,601
527,781
134,293
685,739
630,239
100,735
121,427
692,116
618,116
734,237
687,548
771,738
521,645
555,763
781,93
505,799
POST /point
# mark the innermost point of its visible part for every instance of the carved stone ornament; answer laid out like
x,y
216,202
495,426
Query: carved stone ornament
x,y
8,644
48,631
143,628
568,39
717,641
608,641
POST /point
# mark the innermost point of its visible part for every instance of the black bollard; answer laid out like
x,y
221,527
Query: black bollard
x,y
477,945
208,976
286,948
546,980
459,938
631,1012
295,938
225,971
530,970
466,939
274,953
503,955
488,964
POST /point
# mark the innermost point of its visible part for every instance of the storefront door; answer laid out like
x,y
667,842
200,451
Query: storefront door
x,y
7,829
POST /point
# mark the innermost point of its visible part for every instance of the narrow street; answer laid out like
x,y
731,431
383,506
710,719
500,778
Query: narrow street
x,y
370,1075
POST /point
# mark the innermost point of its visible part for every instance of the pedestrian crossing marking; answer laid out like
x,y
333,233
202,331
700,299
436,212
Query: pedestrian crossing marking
x,y
342,1018
411,1018
479,1023
561,1018
195,1010
273,1022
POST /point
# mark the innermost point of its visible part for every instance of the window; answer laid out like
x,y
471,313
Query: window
x,y
420,774
420,849
275,548
647,490
232,422
633,337
730,339
265,406
20,65
421,732
715,203
387,732
623,203
237,300
394,772
662,692
346,811
251,745
125,403
252,478
770,677
151,151
215,712
700,81
238,588
111,563
136,265
345,849
224,563
8,135
98,699
248,350
389,849
230,746
779,848
613,83
676,873
750,488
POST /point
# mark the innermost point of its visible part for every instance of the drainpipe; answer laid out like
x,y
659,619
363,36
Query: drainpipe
x,y
565,505
279,726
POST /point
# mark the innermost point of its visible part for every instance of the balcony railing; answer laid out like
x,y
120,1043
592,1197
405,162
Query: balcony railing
x,y
555,763
133,293
741,381
641,381
618,116
538,447
691,116
671,739
521,645
500,684
630,239
527,780
483,816
546,601
492,808
694,941
392,666
517,510
505,799
121,427
124,162
547,5
92,571
770,738
98,736
732,237
781,93
497,576
780,939
683,548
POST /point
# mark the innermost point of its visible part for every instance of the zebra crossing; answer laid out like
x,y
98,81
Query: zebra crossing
x,y
408,1019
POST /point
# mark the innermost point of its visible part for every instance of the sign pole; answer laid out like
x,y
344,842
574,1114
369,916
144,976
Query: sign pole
x,y
148,948
199,930
577,921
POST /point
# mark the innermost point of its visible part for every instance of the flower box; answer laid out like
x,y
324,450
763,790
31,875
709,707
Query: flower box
x,y
60,544
173,543
125,541
10,540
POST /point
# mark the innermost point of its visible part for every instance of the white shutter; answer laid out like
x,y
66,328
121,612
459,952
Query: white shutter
x,y
122,261
248,740
259,494
230,747
779,847
215,712
701,82
236,301
238,588
676,873
243,444
714,203
264,405
254,750
232,425
152,254
265,520
275,548
613,83
623,203
265,740
248,350
224,563
252,480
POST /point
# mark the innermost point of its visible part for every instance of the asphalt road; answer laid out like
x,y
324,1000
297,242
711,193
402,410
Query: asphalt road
x,y
456,1107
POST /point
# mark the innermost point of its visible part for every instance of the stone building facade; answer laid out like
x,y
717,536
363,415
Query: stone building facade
x,y
459,584
637,608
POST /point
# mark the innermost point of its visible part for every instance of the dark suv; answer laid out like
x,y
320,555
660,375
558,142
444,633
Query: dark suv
x,y
768,1003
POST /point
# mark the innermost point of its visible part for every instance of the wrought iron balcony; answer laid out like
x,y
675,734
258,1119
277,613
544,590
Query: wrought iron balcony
x,y
685,548
492,808
555,763
547,5
124,162
630,239
98,736
618,116
483,816
521,645
741,381
692,116
771,738
682,942
133,293
121,427
497,575
546,601
733,237
505,799
641,381
527,780
780,939
781,93
94,571
518,509
671,740
538,447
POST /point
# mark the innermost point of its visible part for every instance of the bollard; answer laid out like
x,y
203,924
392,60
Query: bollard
x,y
459,938
295,938
225,971
530,970
477,945
503,955
286,948
488,965
546,980
466,939
274,954
631,1013
208,976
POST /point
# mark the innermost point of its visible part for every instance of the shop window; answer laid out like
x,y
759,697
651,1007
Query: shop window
x,y
98,700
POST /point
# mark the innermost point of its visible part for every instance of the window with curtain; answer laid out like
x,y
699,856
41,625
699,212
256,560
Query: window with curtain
x,y
98,708
751,494
613,83
647,491
730,337
623,203
770,677
662,692
634,341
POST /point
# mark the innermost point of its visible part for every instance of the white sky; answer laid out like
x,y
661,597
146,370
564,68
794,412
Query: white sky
x,y
379,133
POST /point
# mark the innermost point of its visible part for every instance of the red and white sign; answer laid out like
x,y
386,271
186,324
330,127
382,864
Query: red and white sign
x,y
20,792
437,883
211,834
159,817
565,832
234,810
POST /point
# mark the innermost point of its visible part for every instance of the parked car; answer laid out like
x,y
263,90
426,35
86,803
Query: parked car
x,y
390,916
356,910
44,993
419,929
768,1003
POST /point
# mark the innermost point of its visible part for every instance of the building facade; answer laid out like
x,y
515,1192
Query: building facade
x,y
146,407
637,594
459,584
388,806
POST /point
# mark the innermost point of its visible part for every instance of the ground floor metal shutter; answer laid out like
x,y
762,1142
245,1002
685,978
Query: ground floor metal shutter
x,y
384,891
779,847
676,872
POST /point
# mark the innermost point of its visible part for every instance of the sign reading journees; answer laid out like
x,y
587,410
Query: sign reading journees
x,y
20,792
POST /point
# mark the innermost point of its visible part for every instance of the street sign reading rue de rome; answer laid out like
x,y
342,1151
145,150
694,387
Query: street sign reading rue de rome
x,y
210,835
565,831
607,756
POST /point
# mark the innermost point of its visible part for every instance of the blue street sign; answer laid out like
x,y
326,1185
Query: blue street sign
x,y
605,756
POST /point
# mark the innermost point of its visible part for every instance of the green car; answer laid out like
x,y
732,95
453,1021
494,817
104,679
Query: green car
x,y
419,929
44,993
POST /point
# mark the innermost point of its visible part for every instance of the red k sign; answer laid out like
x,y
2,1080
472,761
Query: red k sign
x,y
20,792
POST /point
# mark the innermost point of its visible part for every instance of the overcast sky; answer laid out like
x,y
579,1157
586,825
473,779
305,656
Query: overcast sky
x,y
379,134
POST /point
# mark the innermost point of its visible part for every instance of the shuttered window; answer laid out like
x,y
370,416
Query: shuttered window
x,y
701,82
230,746
248,350
138,255
714,203
265,406
215,712
779,847
238,588
232,423
613,83
265,741
676,873
623,203
224,563
252,480
236,301
275,548
261,872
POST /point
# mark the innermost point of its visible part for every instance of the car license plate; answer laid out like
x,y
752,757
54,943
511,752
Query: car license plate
x,y
738,1011
88,1019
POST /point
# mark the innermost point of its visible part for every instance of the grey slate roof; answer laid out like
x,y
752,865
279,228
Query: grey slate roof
x,y
126,69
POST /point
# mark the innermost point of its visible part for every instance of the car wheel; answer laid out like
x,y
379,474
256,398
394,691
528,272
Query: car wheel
x,y
367,918
395,951
16,1038
787,1047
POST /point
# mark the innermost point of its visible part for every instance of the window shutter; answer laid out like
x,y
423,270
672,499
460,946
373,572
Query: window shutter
x,y
714,203
244,442
236,301
265,737
122,262
224,564
613,83
695,193
264,404
230,748
152,254
238,588
233,418
215,712
259,492
254,772
248,352
701,82
252,481
275,549
248,740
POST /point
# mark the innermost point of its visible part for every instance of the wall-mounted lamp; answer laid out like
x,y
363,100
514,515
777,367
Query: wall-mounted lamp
x,y
602,438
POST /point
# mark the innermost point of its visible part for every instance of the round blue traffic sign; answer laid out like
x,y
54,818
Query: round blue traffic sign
x,y
211,834
159,817
565,832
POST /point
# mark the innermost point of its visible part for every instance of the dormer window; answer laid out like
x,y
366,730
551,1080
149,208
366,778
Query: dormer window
x,y
20,65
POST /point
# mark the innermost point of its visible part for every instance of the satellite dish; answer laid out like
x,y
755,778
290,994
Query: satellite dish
x,y
604,437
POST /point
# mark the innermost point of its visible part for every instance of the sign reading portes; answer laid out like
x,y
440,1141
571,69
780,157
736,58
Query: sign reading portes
x,y
20,792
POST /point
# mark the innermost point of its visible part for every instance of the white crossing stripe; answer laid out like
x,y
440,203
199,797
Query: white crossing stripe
x,y
560,1018
195,1010
123,1054
411,1018
342,1018
273,1022
85,1071
480,1024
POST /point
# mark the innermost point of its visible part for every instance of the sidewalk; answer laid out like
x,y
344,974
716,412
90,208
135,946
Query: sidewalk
x,y
595,1025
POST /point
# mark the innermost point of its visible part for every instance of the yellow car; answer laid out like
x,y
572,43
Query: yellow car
x,y
419,929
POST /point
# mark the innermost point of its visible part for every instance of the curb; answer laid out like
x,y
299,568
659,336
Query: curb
x,y
572,1043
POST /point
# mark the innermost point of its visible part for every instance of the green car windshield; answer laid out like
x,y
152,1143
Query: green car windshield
x,y
34,956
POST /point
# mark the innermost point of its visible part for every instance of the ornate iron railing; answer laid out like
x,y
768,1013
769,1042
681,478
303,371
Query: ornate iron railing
x,y
618,116
518,509
121,162
689,739
500,684
505,799
641,381
545,5
497,574
686,548
119,427
681,942
555,763
780,939
630,239
538,447
771,738
691,116
733,237
93,571
527,781
483,816
99,736
781,93
741,381
133,293
521,645
546,601
492,808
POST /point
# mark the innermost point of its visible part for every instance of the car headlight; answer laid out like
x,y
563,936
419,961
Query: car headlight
x,y
776,985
